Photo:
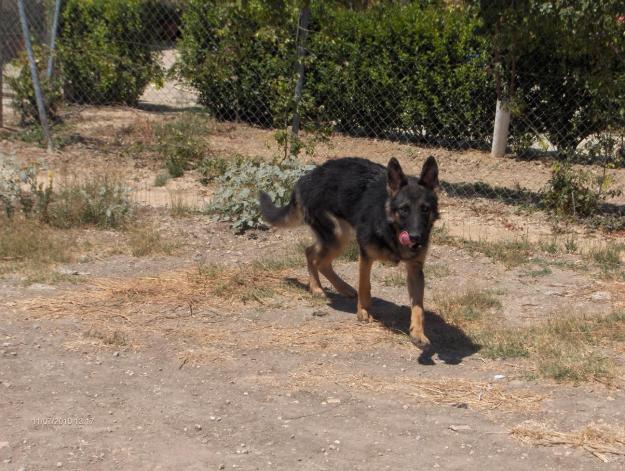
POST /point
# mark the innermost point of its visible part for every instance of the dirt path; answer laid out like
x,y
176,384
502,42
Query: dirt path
x,y
159,376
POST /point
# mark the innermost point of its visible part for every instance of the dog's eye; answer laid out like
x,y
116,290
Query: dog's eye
x,y
404,209
425,209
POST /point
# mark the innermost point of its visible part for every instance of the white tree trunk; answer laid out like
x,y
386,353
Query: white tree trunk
x,y
500,133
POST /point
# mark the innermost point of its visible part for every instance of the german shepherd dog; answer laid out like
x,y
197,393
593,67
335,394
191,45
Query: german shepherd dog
x,y
391,214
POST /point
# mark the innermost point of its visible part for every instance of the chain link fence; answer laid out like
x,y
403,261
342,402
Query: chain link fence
x,y
402,77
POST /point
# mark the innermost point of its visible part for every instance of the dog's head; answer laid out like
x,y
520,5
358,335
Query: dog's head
x,y
412,205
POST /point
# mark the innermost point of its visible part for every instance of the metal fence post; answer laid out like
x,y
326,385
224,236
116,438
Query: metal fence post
x,y
35,75
55,27
1,86
302,32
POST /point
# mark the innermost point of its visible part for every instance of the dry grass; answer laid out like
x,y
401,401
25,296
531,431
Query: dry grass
x,y
607,258
599,440
509,253
28,245
565,348
456,392
146,240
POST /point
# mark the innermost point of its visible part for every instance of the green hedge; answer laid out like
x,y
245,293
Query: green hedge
x,y
413,69
381,71
104,51
238,56
423,71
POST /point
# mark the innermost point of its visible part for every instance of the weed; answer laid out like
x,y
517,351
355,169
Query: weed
x,y
102,201
161,179
27,244
607,258
180,142
147,240
394,279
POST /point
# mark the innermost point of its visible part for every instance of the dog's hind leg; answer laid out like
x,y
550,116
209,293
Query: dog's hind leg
x,y
342,232
312,258
332,234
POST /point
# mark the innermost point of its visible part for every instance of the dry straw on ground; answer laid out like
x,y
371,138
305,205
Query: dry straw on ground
x,y
455,392
599,440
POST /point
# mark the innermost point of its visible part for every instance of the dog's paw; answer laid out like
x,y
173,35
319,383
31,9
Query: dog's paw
x,y
420,340
318,292
364,316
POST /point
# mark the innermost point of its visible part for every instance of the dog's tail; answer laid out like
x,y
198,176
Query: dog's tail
x,y
286,216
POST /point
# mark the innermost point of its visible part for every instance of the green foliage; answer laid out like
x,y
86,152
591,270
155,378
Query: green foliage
x,y
236,198
24,101
103,52
180,142
238,55
575,192
161,179
560,65
402,69
383,70
101,201
211,168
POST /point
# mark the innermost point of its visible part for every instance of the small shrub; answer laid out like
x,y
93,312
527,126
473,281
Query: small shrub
x,y
161,179
103,53
236,198
102,201
179,142
147,240
24,101
211,168
575,192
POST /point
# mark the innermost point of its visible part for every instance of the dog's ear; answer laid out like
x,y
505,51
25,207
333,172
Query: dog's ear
x,y
429,174
395,176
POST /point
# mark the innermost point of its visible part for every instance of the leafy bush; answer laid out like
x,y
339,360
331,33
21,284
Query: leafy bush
x,y
559,63
386,70
104,52
236,198
238,55
179,142
24,101
575,192
411,71
101,201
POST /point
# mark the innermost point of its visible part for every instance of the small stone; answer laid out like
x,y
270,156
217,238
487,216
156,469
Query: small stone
x,y
115,354
4,445
460,428
222,466
601,296
59,464
198,427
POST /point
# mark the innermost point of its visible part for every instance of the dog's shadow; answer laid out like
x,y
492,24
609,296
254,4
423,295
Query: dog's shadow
x,y
449,342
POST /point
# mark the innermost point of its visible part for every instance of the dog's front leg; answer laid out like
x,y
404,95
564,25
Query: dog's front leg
x,y
416,286
364,287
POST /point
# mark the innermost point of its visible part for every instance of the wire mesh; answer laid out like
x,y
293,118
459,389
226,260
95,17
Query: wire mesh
x,y
433,99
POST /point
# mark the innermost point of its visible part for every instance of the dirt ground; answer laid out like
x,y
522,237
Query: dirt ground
x,y
132,363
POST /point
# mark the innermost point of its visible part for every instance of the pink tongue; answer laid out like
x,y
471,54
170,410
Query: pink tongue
x,y
404,239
